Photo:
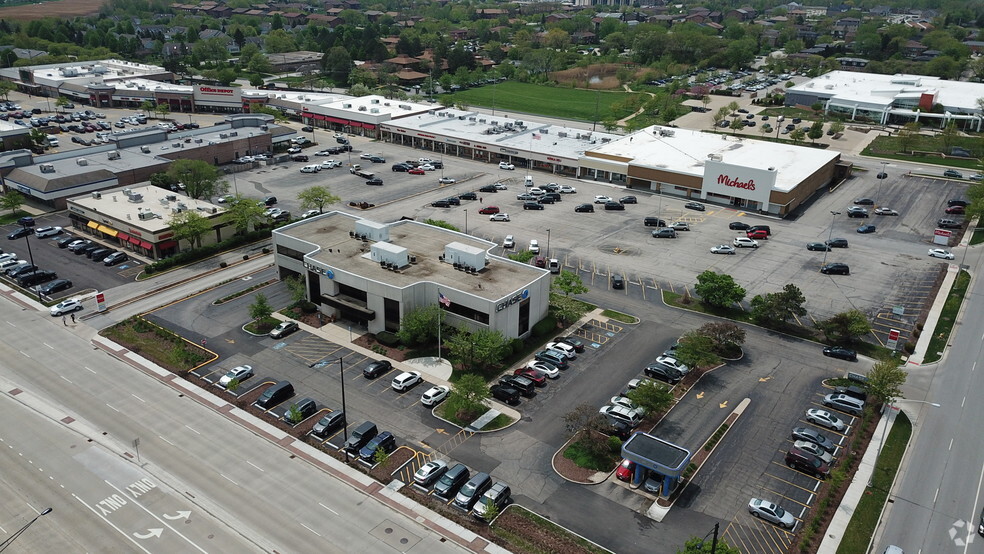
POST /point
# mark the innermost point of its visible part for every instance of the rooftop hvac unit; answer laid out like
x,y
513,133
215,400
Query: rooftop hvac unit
x,y
223,135
198,141
176,145
145,149
562,134
545,131
135,198
374,110
144,216
47,168
96,195
362,108
263,127
404,106
172,197
480,120
374,101
347,106
114,155
182,205
233,133
126,191
472,118
82,161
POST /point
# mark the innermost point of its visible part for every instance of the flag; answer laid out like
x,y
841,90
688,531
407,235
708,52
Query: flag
x,y
537,136
443,300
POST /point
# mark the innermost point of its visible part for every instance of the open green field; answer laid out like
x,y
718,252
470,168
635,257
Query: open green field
x,y
563,103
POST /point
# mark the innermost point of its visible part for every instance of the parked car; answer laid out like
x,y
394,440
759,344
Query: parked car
x,y
532,206
505,393
654,222
628,200
816,450
817,246
738,226
430,472
588,208
844,403
941,253
329,422
837,243
857,211
494,500
864,202
632,417
507,166
841,353
552,358
760,235
625,470
238,373
614,206
539,378
836,269
867,229
953,173
885,211
772,513
285,328
723,249
384,441
826,419
452,480
377,368
664,233
577,343
814,436
948,224
489,210
618,282
115,258
663,373
807,463
549,370
42,232
20,233
435,395
745,242
299,411
55,286
66,306
680,226
694,206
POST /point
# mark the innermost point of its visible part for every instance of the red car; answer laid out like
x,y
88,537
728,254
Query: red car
x,y
540,261
758,234
538,378
416,171
955,210
625,470
489,210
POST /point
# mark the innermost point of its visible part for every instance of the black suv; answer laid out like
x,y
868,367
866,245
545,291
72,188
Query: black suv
x,y
505,393
532,206
449,483
663,373
488,188
807,463
377,368
836,269
837,243
654,222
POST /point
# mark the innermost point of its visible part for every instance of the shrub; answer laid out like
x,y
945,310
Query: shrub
x,y
223,265
387,338
245,257
614,444
266,250
909,348
545,326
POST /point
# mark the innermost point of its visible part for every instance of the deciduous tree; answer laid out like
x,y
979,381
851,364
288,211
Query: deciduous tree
x,y
724,335
260,308
201,179
775,308
696,350
316,198
718,289
12,200
885,381
244,213
190,226
484,348
652,396
420,325
845,327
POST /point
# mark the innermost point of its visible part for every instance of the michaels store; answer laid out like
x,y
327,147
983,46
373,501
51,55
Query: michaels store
x,y
751,175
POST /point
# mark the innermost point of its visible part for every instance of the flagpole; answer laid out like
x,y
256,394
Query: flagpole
x,y
439,331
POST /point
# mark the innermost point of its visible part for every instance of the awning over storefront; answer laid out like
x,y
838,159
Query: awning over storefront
x,y
337,120
368,126
123,237
107,230
134,240
349,304
167,244
92,225
147,245
355,123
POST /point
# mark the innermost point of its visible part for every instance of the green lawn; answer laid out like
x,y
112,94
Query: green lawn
x,y
947,318
866,514
564,103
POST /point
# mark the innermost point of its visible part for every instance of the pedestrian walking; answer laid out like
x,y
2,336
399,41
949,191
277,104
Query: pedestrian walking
x,y
480,200
65,323
73,318
204,342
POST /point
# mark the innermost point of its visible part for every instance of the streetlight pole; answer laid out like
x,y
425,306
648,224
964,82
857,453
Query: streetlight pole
x,y
466,220
830,235
27,239
548,243
12,538
341,377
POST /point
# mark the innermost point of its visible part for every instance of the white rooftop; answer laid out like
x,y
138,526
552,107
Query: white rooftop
x,y
513,132
118,205
684,151
877,89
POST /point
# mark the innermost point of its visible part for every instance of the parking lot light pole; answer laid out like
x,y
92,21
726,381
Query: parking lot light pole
x,y
341,377
30,255
466,220
548,243
12,538
830,235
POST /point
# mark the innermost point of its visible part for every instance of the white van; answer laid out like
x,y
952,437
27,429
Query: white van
x,y
52,140
529,181
553,265
313,168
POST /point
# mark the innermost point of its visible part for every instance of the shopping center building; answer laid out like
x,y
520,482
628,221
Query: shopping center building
x,y
753,175
893,99
375,273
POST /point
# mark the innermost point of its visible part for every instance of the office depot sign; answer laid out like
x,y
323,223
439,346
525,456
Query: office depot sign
x,y
737,181
215,93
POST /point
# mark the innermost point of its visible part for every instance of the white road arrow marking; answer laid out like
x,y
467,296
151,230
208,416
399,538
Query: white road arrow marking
x,y
181,515
150,533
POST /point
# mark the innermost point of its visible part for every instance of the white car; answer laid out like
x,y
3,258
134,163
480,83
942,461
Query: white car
x,y
680,226
745,242
567,349
499,186
825,419
426,167
676,364
723,249
330,164
506,165
239,373
311,169
430,472
42,232
446,181
406,380
366,155
509,242
550,370
940,253
310,213
602,199
623,414
567,189
536,191
66,306
885,211
770,512
323,153
534,246
293,150
424,161
225,198
434,395
499,217
624,401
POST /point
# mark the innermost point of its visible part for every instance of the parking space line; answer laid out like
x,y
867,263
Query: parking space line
x,y
789,498
754,538
790,483
642,286
732,533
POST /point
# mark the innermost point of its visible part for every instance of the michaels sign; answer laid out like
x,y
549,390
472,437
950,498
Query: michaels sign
x,y
738,181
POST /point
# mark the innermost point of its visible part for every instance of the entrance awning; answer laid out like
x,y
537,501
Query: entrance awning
x,y
337,120
107,230
134,240
92,225
167,244
123,237
349,306
147,245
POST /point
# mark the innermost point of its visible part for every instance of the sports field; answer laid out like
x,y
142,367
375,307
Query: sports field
x,y
62,8
565,103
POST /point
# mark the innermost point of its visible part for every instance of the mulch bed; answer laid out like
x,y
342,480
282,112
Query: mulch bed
x,y
369,342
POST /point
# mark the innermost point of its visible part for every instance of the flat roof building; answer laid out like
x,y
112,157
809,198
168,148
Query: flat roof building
x,y
751,174
895,99
375,273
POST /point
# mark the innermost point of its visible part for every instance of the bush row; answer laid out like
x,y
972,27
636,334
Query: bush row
x,y
195,254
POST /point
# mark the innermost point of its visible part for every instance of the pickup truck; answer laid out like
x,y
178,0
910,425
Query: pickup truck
x,y
356,169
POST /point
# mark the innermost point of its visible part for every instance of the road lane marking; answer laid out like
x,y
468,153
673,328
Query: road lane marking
x,y
165,440
48,345
327,508
230,480
114,409
118,530
254,465
66,380
24,353
309,529
87,367
153,515
138,398
196,432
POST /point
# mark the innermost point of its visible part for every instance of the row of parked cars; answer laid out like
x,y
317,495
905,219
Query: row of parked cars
x,y
478,493
546,364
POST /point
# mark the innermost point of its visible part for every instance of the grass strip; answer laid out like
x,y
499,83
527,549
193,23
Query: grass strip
x,y
619,316
941,334
862,526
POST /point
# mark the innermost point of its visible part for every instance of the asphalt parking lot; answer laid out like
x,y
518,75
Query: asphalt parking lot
x,y
86,274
